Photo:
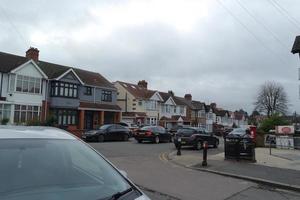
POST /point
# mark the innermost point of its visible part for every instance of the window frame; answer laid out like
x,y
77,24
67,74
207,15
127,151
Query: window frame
x,y
106,95
64,89
26,81
88,91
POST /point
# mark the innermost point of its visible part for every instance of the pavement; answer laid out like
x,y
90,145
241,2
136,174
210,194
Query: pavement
x,y
280,169
149,167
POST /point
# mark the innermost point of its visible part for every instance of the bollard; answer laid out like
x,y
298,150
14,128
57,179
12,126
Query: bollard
x,y
179,146
205,147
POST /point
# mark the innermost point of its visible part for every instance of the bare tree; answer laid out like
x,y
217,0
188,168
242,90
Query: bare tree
x,y
272,99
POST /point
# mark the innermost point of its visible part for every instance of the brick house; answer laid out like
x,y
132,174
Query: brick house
x,y
143,106
195,111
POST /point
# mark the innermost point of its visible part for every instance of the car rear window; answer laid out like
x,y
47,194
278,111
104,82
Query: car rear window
x,y
186,131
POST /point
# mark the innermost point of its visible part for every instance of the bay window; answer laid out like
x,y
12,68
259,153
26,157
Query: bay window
x,y
24,113
5,110
62,89
27,84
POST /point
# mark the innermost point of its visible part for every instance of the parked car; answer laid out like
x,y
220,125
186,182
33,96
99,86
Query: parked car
x,y
195,137
107,132
49,163
155,134
132,127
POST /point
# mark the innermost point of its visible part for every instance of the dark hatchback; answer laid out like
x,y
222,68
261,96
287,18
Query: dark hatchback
x,y
108,132
195,137
155,134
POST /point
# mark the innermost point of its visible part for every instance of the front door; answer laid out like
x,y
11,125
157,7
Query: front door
x,y
88,120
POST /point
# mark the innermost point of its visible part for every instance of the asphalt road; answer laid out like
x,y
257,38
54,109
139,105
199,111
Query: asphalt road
x,y
147,166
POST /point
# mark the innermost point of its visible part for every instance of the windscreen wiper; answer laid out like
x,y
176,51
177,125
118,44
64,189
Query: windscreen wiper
x,y
120,194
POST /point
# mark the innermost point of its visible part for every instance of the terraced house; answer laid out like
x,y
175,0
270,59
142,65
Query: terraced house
x,y
143,106
36,90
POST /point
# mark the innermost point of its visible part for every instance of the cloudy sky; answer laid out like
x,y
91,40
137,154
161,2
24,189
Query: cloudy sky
x,y
217,50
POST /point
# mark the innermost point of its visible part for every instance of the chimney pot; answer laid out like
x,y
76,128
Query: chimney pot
x,y
32,53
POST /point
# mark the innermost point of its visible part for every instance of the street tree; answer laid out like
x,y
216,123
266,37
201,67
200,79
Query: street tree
x,y
271,99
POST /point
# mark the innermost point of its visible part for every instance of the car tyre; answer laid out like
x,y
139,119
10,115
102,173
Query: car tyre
x,y
198,145
125,137
100,138
156,140
139,141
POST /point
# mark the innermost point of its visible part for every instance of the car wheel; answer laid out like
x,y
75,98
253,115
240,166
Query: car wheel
x,y
125,138
156,140
198,145
139,141
100,138
216,144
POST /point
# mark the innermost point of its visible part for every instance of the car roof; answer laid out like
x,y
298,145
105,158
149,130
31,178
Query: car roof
x,y
33,132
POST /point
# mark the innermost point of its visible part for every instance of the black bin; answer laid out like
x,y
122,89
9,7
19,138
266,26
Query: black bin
x,y
239,147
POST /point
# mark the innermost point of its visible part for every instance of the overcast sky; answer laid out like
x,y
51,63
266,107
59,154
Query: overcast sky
x,y
217,50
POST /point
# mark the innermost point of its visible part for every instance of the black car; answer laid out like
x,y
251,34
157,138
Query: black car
x,y
107,132
195,137
155,134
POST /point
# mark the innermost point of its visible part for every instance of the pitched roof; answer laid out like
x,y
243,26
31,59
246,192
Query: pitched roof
x,y
296,46
221,113
9,62
166,96
137,91
193,105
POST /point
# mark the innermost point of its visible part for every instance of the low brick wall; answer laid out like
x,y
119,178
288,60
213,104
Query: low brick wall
x,y
76,132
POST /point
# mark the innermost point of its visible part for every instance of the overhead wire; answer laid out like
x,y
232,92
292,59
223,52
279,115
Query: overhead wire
x,y
285,13
14,27
262,24
251,32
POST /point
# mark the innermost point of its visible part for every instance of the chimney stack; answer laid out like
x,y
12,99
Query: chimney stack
x,y
213,105
143,84
32,53
188,97
171,93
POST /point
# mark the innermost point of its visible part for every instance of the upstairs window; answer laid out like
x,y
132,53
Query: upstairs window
x,y
88,91
106,96
28,84
181,109
62,89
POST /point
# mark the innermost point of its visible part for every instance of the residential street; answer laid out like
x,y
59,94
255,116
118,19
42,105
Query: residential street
x,y
147,165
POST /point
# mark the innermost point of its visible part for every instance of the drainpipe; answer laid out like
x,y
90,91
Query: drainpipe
x,y
2,84
94,95
46,97
126,102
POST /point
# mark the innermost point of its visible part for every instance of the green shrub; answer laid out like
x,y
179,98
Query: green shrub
x,y
34,122
270,123
4,121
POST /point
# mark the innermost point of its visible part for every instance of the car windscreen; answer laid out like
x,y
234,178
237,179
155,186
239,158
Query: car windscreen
x,y
104,127
146,128
55,169
238,131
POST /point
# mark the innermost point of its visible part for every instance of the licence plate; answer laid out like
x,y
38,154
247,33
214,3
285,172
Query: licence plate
x,y
182,142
